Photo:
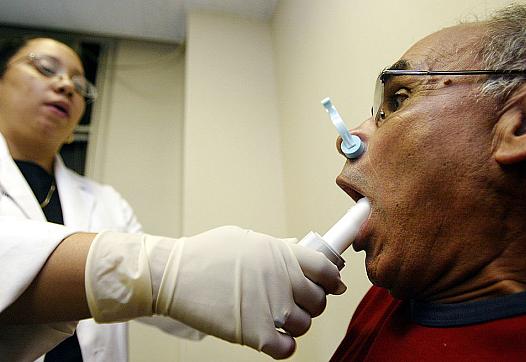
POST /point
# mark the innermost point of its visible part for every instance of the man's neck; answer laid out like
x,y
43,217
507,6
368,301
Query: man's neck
x,y
500,288
505,274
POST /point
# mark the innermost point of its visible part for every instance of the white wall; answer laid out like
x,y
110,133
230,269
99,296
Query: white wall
x,y
232,149
222,167
137,148
137,132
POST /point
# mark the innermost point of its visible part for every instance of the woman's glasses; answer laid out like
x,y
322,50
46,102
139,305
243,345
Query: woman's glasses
x,y
50,67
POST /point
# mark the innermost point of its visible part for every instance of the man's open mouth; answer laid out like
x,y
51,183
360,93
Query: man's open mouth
x,y
349,189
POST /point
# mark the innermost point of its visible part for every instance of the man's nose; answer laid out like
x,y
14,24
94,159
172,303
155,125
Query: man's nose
x,y
363,131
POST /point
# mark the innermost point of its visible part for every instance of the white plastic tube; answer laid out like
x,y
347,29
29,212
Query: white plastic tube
x,y
341,235
352,146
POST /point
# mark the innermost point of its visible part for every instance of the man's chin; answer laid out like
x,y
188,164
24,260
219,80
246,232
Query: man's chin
x,y
400,294
386,281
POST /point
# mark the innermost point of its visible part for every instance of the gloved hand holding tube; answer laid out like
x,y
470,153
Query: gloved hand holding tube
x,y
232,283
341,235
235,284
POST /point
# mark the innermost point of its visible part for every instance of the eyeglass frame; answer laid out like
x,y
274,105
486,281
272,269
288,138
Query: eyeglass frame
x,y
89,94
379,90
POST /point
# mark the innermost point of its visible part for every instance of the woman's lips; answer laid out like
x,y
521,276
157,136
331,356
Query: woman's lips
x,y
60,109
56,111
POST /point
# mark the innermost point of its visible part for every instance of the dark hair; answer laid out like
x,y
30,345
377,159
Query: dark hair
x,y
8,48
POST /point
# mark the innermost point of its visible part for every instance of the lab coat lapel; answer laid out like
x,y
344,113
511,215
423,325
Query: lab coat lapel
x,y
76,198
16,186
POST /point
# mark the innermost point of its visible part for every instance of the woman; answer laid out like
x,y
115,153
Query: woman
x,y
42,100
51,274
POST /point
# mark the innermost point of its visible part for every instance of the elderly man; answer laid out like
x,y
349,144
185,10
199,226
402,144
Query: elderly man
x,y
445,170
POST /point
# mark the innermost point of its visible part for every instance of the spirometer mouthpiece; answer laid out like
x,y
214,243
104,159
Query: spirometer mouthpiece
x,y
352,146
341,235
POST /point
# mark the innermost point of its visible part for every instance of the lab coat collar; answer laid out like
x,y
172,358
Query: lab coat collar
x,y
16,186
76,198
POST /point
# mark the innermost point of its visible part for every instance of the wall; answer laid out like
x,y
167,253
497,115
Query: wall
x,y
232,159
232,149
336,48
138,129
137,148
223,166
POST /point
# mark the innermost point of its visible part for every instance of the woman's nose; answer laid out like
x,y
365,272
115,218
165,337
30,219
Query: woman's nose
x,y
64,85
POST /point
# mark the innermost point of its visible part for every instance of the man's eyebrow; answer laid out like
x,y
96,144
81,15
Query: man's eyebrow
x,y
402,64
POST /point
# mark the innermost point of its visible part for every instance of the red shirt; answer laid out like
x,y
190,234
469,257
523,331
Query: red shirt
x,y
384,329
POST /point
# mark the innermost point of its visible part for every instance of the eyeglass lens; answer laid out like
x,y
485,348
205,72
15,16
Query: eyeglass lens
x,y
378,98
50,67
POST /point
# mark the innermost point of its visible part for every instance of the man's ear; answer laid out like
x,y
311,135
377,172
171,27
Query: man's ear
x,y
509,140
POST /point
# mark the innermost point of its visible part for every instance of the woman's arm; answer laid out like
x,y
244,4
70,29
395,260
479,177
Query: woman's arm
x,y
58,292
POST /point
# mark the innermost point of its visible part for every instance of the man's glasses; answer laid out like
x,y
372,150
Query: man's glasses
x,y
378,112
50,67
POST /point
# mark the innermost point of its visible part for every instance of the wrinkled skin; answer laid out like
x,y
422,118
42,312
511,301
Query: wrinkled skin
x,y
33,130
441,227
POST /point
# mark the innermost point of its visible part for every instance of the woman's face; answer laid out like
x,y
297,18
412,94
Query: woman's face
x,y
36,108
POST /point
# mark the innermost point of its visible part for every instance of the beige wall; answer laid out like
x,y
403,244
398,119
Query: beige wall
x,y
256,148
137,148
137,132
223,167
232,150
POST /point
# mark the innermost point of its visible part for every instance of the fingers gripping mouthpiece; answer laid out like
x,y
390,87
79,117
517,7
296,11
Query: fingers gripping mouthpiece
x,y
341,235
352,146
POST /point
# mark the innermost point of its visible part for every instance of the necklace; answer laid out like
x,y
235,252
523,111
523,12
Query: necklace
x,y
52,189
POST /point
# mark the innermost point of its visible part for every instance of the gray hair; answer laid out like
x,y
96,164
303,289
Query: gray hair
x,y
504,47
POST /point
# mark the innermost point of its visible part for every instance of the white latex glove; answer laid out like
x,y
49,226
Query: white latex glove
x,y
172,326
232,283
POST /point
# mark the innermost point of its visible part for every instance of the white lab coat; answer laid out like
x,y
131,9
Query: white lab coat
x,y
26,241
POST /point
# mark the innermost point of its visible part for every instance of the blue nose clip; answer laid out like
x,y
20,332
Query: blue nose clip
x,y
352,146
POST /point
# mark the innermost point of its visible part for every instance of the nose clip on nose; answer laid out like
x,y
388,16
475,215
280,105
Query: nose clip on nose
x,y
352,146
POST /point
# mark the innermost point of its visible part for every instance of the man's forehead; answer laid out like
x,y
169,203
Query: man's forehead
x,y
450,48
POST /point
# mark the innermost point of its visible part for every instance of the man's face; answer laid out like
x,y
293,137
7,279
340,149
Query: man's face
x,y
426,171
